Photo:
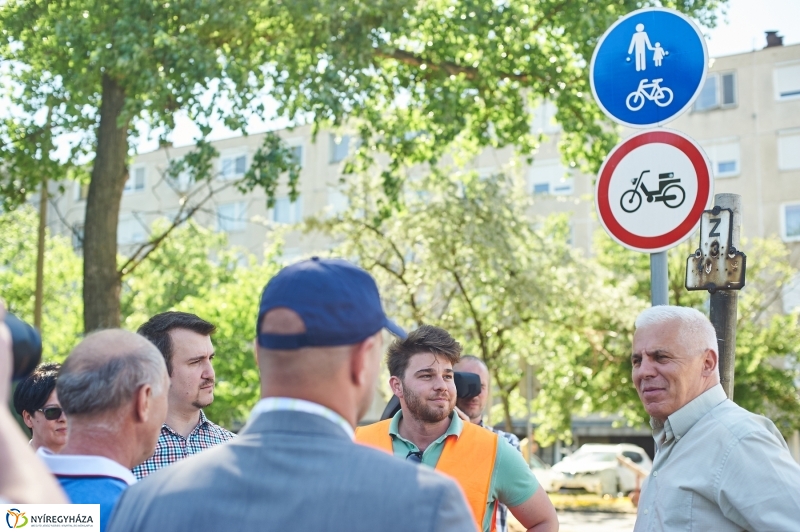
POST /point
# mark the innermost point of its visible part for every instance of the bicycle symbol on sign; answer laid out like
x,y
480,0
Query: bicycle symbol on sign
x,y
669,192
662,96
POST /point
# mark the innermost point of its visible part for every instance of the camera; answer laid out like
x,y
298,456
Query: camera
x,y
467,385
26,347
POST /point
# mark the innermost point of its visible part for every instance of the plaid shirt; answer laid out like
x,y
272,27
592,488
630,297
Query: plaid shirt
x,y
172,447
502,511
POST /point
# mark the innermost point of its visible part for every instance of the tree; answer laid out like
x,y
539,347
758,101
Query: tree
x,y
414,78
462,253
61,324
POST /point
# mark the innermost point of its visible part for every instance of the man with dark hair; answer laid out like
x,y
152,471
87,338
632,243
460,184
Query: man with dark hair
x,y
294,466
113,388
185,342
426,430
474,407
36,400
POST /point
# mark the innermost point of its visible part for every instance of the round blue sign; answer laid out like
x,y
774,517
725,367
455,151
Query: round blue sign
x,y
649,67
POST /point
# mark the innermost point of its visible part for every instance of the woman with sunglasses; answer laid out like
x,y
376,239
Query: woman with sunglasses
x,y
35,399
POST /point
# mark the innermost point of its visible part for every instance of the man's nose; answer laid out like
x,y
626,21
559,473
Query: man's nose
x,y
646,369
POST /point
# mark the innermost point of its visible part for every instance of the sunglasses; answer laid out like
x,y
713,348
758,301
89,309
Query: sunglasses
x,y
51,413
414,456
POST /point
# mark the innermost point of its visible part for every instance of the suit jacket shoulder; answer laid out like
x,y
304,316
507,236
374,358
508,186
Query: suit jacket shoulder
x,y
293,471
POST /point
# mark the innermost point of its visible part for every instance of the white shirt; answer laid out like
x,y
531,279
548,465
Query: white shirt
x,y
272,404
78,465
719,468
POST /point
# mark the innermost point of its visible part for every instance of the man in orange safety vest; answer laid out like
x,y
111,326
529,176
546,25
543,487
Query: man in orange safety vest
x,y
427,430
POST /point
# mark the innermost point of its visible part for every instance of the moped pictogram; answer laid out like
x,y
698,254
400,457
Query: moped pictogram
x,y
669,192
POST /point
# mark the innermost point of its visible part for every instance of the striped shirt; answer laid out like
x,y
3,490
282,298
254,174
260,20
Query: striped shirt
x,y
172,447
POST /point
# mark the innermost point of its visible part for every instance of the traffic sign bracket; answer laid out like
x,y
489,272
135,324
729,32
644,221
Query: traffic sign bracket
x,y
716,265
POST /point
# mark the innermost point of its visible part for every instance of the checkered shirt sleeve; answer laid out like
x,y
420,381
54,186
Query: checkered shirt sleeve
x,y
172,447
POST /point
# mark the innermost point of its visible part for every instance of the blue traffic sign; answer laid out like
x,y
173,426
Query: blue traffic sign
x,y
649,67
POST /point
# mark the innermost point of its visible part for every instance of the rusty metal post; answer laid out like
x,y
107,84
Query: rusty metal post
x,y
659,279
724,302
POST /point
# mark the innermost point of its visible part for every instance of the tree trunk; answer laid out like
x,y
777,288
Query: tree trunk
x,y
101,283
509,426
39,293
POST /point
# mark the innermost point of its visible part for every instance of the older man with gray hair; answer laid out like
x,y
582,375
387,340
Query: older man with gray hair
x,y
717,466
113,388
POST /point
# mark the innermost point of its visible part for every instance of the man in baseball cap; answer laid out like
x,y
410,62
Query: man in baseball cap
x,y
295,465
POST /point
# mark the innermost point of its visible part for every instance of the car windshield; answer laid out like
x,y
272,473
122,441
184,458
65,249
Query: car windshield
x,y
594,457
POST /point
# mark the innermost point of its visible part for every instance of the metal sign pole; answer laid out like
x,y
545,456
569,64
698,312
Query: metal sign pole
x,y
724,302
659,279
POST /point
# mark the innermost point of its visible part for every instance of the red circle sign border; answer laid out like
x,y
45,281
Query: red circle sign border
x,y
654,244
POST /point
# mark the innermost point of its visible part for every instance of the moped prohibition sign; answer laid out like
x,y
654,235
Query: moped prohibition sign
x,y
652,190
648,67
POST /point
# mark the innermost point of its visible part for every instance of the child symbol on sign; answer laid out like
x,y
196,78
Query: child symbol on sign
x,y
658,54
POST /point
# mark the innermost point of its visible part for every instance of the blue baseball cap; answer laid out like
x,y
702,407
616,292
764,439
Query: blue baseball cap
x,y
337,301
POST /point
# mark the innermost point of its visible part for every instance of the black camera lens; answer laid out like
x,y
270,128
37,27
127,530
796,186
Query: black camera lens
x,y
26,346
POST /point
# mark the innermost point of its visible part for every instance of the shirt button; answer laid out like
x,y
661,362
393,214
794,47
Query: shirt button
x,y
677,437
655,473
645,511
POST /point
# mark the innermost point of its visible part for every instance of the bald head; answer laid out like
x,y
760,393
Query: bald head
x,y
105,370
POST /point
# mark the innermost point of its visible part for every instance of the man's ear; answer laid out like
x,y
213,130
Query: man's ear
x,y
396,385
143,403
710,360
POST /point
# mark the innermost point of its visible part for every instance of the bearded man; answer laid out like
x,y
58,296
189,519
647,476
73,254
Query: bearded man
x,y
426,431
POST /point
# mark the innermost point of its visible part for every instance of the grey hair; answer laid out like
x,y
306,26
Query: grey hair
x,y
694,326
101,375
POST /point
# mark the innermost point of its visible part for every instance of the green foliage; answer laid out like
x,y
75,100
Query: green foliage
x,y
462,253
62,306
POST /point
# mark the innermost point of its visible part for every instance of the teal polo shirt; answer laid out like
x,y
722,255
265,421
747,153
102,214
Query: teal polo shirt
x,y
512,480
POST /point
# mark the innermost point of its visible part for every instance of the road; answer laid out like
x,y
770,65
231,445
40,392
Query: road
x,y
586,522
595,522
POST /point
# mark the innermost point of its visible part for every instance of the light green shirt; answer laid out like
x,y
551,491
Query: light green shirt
x,y
512,480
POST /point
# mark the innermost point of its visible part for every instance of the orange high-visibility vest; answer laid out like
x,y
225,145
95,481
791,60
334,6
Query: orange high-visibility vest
x,y
468,459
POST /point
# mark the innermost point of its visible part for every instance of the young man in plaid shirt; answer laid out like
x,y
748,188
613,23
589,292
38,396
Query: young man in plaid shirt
x,y
473,408
185,342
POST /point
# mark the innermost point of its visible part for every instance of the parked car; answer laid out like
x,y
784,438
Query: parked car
x,y
544,474
595,468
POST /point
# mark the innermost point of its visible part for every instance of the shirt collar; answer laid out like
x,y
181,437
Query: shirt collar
x,y
202,422
683,419
79,465
456,425
272,404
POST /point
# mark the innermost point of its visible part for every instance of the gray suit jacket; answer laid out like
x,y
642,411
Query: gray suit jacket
x,y
293,471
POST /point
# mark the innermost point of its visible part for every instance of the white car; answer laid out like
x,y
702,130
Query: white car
x,y
544,474
596,468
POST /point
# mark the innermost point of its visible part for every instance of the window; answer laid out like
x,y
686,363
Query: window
x,y
337,201
548,176
544,118
232,167
286,211
725,157
340,147
787,82
789,150
719,91
81,191
297,154
790,222
130,231
77,237
135,182
791,294
231,217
